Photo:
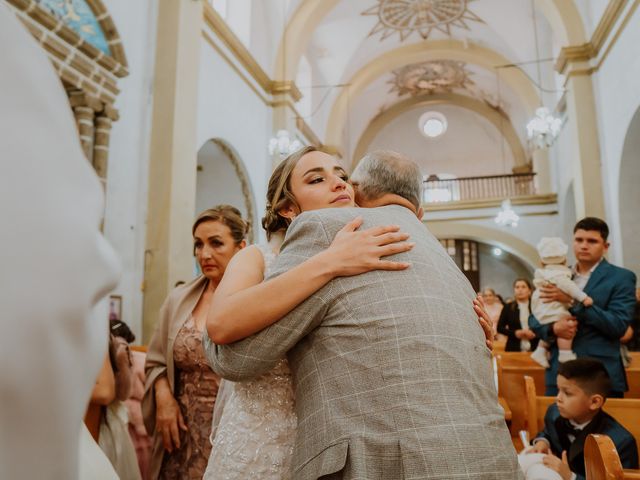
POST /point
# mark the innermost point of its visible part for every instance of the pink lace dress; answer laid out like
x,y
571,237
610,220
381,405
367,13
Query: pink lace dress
x,y
196,391
255,434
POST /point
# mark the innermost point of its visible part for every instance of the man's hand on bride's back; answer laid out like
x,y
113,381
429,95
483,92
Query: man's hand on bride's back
x,y
356,251
485,320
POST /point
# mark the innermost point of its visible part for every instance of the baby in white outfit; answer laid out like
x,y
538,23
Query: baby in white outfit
x,y
554,271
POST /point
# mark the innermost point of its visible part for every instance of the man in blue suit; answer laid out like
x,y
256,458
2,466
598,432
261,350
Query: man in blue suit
x,y
595,330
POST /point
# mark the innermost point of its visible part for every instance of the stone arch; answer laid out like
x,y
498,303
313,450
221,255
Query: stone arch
x,y
496,116
563,16
219,165
421,52
629,196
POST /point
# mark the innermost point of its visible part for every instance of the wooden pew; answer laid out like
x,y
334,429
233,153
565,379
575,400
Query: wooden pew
x,y
633,376
499,345
602,462
511,370
625,410
513,366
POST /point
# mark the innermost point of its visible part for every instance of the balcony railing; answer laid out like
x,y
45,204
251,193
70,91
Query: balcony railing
x,y
479,188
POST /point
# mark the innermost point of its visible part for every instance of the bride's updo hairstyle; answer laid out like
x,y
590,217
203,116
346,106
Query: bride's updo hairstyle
x,y
279,194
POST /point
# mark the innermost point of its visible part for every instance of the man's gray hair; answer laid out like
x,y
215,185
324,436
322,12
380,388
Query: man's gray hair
x,y
385,171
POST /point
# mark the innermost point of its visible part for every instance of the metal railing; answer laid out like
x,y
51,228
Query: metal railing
x,y
478,188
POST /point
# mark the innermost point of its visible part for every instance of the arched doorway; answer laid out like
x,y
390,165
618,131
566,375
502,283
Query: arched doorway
x,y
629,199
487,265
222,179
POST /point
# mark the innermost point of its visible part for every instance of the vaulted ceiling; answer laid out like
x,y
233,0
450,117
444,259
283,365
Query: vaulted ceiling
x,y
356,60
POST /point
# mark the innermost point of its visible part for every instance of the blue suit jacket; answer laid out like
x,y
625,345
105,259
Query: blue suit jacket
x,y
602,423
599,326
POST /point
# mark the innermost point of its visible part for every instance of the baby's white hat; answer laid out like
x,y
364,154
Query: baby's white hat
x,y
552,250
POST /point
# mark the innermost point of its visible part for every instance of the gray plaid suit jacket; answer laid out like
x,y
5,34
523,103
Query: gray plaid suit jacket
x,y
392,376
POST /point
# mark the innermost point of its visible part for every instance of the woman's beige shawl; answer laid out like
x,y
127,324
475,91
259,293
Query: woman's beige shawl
x,y
159,363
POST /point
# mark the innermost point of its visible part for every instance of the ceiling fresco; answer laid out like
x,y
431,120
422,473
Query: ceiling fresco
x,y
406,17
438,76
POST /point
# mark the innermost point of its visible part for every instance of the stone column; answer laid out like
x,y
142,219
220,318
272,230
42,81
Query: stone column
x,y
101,147
84,120
583,131
173,154
540,159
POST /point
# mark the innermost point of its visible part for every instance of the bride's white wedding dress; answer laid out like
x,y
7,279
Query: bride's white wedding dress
x,y
254,422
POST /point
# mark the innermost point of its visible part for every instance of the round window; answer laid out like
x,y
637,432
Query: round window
x,y
432,124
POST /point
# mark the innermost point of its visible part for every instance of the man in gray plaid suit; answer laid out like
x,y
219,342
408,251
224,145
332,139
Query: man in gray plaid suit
x,y
392,375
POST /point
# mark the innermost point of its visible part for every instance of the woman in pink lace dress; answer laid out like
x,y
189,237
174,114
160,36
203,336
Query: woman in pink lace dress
x,y
180,388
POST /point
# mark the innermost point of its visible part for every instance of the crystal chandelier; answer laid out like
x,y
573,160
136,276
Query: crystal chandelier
x,y
283,145
507,217
543,128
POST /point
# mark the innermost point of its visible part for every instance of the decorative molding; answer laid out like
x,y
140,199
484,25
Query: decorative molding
x,y
271,87
607,21
543,199
579,53
285,87
591,49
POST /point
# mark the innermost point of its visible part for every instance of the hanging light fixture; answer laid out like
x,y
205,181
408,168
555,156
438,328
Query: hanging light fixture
x,y
506,217
283,145
543,128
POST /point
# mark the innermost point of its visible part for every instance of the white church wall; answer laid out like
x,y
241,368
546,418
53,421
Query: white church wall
x,y
217,180
126,197
469,147
617,99
228,109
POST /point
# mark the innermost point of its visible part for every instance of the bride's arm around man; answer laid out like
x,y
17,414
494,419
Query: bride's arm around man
x,y
391,369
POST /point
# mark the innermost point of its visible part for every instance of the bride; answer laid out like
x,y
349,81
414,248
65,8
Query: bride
x,y
254,421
